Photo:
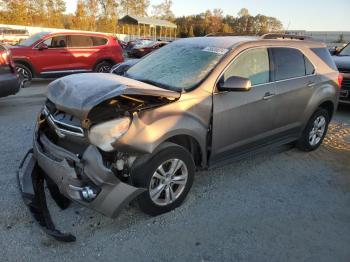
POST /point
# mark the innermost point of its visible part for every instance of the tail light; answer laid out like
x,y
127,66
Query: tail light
x,y
340,80
6,59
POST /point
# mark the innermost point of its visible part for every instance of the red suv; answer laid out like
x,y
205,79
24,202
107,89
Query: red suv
x,y
49,55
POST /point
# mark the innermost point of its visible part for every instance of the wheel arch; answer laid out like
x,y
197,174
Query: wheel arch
x,y
105,59
27,64
329,106
191,144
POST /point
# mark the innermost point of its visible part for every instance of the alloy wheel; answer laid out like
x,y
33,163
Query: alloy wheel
x,y
104,69
25,76
317,132
168,182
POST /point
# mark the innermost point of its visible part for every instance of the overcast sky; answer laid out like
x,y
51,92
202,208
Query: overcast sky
x,y
313,15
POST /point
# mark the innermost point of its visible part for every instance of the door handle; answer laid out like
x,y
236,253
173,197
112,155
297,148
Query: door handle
x,y
268,96
311,84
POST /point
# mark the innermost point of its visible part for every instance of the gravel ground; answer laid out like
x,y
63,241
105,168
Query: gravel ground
x,y
283,205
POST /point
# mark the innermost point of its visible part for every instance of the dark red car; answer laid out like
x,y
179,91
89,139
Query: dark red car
x,y
145,47
48,55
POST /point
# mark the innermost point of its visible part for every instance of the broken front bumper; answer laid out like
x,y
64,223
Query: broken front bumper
x,y
67,176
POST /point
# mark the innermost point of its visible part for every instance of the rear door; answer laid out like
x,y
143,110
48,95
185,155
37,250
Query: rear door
x,y
295,80
86,50
242,120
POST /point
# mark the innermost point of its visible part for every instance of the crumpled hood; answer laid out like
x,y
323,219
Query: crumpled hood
x,y
342,62
78,94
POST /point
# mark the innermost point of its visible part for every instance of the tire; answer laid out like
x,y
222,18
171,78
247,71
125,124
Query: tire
x,y
176,184
25,74
315,131
103,67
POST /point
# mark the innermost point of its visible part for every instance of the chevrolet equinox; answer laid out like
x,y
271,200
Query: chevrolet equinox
x,y
103,140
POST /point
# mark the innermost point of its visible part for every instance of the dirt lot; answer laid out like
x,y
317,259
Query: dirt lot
x,y
283,205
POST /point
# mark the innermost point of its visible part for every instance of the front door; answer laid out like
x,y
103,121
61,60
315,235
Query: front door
x,y
241,119
55,58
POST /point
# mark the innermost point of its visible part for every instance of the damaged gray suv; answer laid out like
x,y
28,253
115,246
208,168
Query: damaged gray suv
x,y
104,140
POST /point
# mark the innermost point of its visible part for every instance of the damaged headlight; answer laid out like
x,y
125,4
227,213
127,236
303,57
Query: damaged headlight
x,y
104,135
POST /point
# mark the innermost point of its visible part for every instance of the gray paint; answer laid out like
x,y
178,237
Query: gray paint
x,y
239,118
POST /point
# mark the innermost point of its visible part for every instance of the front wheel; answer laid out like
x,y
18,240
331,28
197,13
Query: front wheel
x,y
25,74
315,131
167,176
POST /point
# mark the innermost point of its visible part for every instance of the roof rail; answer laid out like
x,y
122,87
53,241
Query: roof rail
x,y
220,34
286,36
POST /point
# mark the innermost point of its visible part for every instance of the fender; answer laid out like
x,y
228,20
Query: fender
x,y
329,91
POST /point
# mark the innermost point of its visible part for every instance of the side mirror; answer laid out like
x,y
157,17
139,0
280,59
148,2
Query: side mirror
x,y
235,84
42,47
333,51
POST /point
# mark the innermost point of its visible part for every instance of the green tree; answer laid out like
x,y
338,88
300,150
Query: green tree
x,y
163,10
107,21
190,32
135,7
55,10
80,21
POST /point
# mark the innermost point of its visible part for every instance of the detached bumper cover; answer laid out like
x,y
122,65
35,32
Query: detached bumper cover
x,y
66,175
31,184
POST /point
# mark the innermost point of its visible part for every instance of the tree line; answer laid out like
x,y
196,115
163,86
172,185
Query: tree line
x,y
103,15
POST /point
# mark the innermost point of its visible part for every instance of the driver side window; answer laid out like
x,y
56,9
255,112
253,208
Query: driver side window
x,y
56,42
252,64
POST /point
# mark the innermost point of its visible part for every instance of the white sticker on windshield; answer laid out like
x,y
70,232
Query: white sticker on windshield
x,y
216,50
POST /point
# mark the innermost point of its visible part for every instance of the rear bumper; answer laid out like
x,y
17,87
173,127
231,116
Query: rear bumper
x,y
67,176
9,84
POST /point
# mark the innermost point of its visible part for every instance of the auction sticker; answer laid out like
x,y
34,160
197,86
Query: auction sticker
x,y
216,50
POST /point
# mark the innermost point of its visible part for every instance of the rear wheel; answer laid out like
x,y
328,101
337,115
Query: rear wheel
x,y
315,131
25,74
167,176
103,67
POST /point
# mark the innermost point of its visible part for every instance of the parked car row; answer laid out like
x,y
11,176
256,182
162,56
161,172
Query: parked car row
x,y
143,48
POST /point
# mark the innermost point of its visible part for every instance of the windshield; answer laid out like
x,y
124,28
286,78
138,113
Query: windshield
x,y
345,51
31,40
177,66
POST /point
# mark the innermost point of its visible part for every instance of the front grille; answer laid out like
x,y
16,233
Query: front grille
x,y
63,129
63,123
346,84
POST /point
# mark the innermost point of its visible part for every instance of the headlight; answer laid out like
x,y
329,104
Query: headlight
x,y
104,135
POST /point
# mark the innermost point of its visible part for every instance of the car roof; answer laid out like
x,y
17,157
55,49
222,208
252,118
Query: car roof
x,y
77,33
226,42
230,42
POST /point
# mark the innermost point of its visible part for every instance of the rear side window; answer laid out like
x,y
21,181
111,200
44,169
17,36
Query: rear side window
x,y
324,54
252,64
80,41
98,41
309,68
290,63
